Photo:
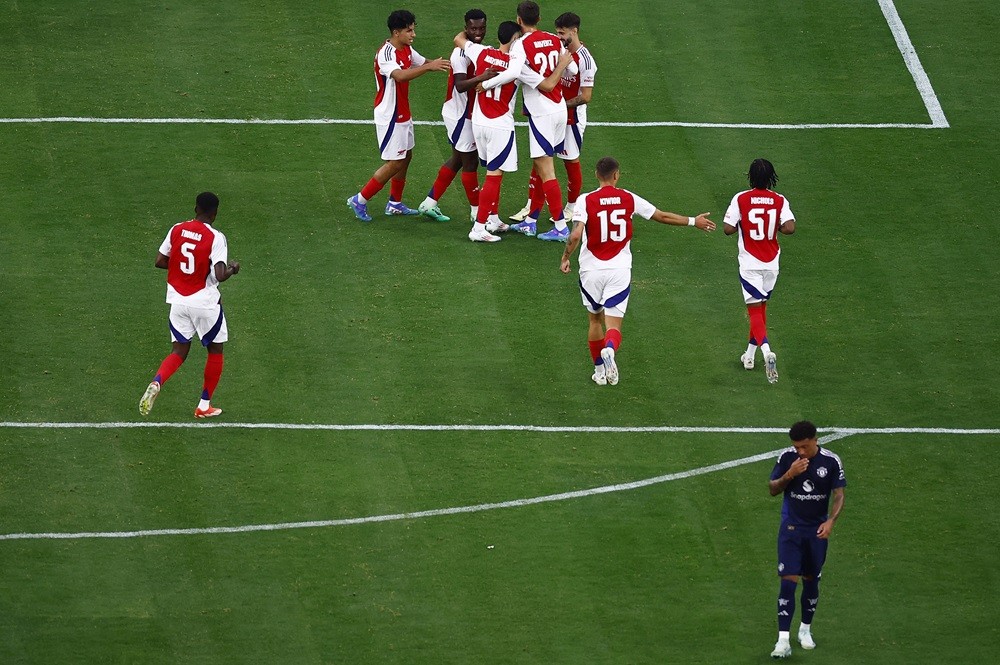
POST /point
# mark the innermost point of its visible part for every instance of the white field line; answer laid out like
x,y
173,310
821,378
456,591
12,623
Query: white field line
x,y
655,429
913,64
478,508
350,121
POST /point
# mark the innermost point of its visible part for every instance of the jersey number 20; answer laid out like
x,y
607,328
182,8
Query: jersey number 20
x,y
547,62
756,216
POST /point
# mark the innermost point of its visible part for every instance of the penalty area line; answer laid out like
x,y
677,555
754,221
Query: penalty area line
x,y
395,517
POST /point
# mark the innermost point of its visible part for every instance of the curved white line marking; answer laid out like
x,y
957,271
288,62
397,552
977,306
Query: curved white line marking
x,y
516,503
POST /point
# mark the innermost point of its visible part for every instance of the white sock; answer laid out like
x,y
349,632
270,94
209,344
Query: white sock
x,y
478,227
804,628
475,211
561,224
783,636
428,203
205,404
495,219
765,348
362,199
751,350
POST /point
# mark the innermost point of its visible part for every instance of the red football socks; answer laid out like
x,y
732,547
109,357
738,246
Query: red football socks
x,y
574,181
489,197
213,371
470,180
168,367
396,189
553,197
595,350
758,328
444,177
371,189
536,196
613,338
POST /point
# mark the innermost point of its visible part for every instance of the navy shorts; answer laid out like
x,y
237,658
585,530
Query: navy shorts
x,y
800,550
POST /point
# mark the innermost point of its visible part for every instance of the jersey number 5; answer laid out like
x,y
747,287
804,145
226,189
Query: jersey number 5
x,y
187,263
617,219
756,216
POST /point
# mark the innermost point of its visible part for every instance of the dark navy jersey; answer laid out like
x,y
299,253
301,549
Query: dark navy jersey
x,y
807,496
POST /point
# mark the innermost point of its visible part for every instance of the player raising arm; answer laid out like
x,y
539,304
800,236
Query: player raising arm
x,y
602,226
396,64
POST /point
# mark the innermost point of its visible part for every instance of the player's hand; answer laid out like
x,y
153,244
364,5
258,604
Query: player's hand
x,y
234,267
824,530
565,58
438,65
799,466
480,89
490,73
704,223
564,265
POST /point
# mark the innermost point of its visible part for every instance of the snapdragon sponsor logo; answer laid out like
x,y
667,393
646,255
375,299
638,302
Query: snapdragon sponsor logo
x,y
809,497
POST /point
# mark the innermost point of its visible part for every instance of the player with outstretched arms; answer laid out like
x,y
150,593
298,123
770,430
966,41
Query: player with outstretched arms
x,y
493,121
578,90
602,227
396,64
758,215
195,256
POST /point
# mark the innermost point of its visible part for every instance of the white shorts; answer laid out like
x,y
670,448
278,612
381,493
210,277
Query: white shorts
x,y
394,140
497,148
209,323
606,290
574,141
460,133
757,285
546,134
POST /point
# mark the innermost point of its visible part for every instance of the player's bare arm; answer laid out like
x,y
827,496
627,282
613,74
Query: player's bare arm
x,y
571,243
788,228
224,272
729,229
162,261
435,65
826,528
463,83
798,467
582,99
673,219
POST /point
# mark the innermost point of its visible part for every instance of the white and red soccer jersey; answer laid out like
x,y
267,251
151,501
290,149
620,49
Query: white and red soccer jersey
x,y
607,232
457,104
495,107
194,248
392,99
572,82
539,52
758,213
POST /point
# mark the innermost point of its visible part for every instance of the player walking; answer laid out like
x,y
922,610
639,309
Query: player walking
x,y
578,90
457,115
396,64
808,476
758,214
602,226
194,254
493,120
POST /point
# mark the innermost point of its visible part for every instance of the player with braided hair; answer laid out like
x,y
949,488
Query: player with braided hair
x,y
758,214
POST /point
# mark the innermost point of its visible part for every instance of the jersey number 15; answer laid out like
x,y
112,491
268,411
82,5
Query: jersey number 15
x,y
617,220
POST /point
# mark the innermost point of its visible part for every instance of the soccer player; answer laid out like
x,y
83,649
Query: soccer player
x,y
808,476
758,214
195,256
540,52
602,226
396,64
457,115
493,120
578,90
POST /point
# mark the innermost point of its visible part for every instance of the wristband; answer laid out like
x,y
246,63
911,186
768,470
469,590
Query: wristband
x,y
690,221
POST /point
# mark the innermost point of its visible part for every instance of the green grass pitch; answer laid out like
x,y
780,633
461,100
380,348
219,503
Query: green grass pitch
x,y
885,316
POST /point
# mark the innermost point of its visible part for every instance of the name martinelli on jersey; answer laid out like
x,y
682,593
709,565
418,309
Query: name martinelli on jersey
x,y
496,62
761,200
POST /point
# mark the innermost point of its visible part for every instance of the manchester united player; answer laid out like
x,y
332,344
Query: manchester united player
x,y
758,215
396,64
194,254
457,115
493,120
540,51
578,90
602,226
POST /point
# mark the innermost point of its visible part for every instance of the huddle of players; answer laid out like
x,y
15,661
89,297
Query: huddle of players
x,y
556,74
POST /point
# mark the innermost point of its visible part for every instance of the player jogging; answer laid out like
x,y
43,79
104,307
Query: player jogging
x,y
758,214
540,51
578,90
602,226
396,64
808,476
457,115
194,254
493,121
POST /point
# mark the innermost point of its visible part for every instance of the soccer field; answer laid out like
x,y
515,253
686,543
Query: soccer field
x,y
413,465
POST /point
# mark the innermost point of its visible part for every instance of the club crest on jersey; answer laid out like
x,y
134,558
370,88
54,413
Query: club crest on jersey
x,y
821,472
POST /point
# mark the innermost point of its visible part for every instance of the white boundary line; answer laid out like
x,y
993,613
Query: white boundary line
x,y
395,517
913,64
487,428
903,43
